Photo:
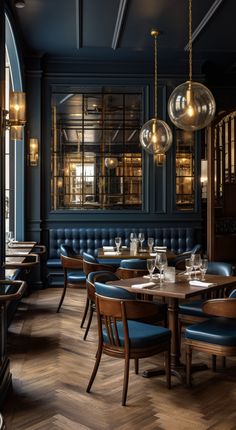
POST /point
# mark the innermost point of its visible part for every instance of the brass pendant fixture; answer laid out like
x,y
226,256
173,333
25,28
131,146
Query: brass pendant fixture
x,y
191,105
156,135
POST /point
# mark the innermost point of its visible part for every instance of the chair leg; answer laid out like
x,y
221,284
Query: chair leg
x,y
136,366
126,381
188,364
62,296
85,312
95,369
167,368
89,321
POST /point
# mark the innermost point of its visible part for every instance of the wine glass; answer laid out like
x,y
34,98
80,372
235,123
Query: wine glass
x,y
150,242
203,268
196,259
161,263
151,264
141,240
118,244
189,267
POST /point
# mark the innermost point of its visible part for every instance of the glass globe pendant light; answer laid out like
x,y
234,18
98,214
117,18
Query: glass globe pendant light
x,y
155,135
191,105
111,162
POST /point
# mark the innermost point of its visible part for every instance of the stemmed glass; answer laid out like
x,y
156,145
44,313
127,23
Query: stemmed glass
x,y
150,242
161,263
141,240
151,264
203,268
118,244
196,259
189,267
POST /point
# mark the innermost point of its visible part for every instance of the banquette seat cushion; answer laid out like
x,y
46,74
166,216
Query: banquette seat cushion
x,y
90,239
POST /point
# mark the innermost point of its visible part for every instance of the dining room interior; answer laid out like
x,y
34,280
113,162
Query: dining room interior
x,y
118,214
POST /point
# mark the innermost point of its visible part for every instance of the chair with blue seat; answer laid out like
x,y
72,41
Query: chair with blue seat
x,y
216,335
91,264
100,276
132,268
179,260
73,270
191,312
122,336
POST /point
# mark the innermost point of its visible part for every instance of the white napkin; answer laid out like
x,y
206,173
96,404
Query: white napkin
x,y
108,248
153,254
201,283
160,248
146,285
192,272
110,253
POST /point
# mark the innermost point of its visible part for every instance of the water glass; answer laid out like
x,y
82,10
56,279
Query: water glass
x,y
161,263
203,268
118,244
189,267
170,274
151,264
196,259
150,243
141,239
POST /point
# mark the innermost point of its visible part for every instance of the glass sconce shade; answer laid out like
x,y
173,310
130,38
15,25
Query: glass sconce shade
x,y
156,136
191,106
33,152
17,108
16,132
111,162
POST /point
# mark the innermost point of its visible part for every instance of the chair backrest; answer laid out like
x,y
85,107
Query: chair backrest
x,y
113,291
111,311
219,268
134,263
67,250
220,307
100,276
89,258
232,294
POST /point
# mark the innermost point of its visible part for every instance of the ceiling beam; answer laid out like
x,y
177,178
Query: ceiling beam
x,y
204,21
79,23
119,23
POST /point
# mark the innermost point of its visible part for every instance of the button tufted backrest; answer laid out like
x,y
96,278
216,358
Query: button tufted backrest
x,y
88,240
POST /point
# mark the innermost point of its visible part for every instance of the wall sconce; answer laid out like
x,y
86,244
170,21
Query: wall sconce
x,y
204,178
33,152
16,115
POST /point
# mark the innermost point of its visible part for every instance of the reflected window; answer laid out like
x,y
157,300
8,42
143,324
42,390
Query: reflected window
x,y
96,158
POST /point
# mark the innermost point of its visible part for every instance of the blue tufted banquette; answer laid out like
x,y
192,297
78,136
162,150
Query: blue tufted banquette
x,y
91,239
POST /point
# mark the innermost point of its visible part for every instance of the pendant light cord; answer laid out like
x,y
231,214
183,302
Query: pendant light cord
x,y
190,40
155,33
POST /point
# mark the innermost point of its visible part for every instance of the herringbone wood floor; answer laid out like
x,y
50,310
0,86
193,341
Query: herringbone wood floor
x,y
51,364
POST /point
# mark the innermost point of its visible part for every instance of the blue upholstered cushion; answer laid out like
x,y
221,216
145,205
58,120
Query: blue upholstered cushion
x,y
233,294
67,250
76,276
134,263
141,335
89,257
103,275
220,331
113,291
54,263
192,308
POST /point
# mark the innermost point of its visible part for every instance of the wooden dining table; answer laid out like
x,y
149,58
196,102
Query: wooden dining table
x,y
125,253
20,255
180,290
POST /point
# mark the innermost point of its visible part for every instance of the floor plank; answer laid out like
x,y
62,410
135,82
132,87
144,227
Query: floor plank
x,y
51,365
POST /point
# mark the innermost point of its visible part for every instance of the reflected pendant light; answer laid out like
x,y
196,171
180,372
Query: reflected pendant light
x,y
155,135
111,162
191,105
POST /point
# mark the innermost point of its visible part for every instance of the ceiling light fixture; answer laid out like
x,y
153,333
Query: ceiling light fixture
x,y
191,105
19,4
155,135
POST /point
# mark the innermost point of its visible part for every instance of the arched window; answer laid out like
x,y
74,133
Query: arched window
x,y
14,154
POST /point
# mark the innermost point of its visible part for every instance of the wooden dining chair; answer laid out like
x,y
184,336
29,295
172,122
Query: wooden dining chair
x,y
132,268
90,265
122,336
99,276
192,312
72,265
216,335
